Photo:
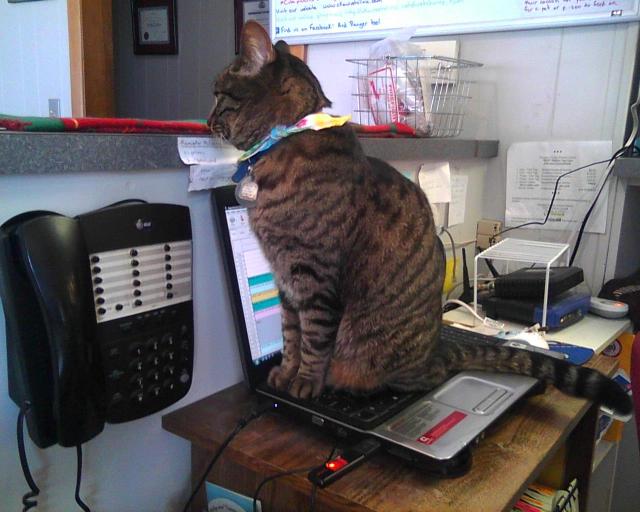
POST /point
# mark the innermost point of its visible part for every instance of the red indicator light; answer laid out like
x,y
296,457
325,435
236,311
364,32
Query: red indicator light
x,y
336,464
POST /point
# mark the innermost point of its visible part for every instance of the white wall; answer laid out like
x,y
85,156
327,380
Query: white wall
x,y
173,86
568,84
136,466
34,57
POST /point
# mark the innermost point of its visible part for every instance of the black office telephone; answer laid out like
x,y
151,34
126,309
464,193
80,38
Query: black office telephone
x,y
99,316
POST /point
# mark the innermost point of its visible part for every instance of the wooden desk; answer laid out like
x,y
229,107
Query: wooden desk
x,y
511,456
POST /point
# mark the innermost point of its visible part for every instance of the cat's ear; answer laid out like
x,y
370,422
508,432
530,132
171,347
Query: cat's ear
x,y
256,50
282,47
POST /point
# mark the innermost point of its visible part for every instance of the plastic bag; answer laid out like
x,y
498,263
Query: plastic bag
x,y
398,82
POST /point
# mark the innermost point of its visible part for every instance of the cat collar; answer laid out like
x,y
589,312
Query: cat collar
x,y
317,121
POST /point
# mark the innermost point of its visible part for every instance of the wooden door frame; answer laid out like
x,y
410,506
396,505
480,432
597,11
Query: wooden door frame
x,y
91,57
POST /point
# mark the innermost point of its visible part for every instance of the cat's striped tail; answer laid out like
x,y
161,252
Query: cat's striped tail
x,y
567,377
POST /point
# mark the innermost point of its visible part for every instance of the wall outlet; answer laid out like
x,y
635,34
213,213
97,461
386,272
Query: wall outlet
x,y
54,107
487,233
489,227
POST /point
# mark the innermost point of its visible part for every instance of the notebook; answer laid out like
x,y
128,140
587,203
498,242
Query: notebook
x,y
433,430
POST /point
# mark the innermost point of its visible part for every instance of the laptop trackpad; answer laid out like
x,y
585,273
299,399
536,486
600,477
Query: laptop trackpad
x,y
472,394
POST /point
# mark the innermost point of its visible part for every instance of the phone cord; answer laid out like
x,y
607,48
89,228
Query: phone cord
x,y
79,501
28,500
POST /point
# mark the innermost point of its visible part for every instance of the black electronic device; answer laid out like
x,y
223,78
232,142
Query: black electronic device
x,y
562,311
529,283
99,316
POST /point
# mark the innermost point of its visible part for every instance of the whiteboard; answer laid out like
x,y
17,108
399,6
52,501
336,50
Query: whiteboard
x,y
316,21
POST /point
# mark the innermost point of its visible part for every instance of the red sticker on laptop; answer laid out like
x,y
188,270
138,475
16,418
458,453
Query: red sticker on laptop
x,y
436,432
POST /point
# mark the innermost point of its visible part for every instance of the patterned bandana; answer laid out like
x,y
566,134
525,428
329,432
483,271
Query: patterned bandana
x,y
318,121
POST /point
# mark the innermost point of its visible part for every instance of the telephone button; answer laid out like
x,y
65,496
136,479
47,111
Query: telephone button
x,y
137,302
154,375
96,270
135,263
116,398
169,295
119,307
184,329
137,293
135,273
137,397
169,370
136,282
154,391
136,349
101,311
137,380
184,377
169,385
167,266
167,257
169,340
136,365
126,326
154,360
100,300
133,252
167,247
97,280
169,355
95,259
115,375
153,344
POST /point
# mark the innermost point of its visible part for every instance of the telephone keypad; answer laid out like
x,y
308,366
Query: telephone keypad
x,y
151,363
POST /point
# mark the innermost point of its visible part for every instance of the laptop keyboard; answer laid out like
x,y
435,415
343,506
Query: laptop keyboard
x,y
449,333
369,411
361,411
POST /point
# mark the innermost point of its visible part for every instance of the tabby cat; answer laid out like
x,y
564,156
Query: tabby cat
x,y
353,248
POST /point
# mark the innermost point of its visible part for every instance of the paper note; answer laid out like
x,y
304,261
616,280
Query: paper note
x,y
532,171
206,176
206,150
458,199
435,181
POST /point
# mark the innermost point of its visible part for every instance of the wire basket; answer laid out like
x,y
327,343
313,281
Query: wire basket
x,y
429,94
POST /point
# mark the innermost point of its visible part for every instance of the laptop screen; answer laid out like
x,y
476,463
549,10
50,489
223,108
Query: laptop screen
x,y
256,287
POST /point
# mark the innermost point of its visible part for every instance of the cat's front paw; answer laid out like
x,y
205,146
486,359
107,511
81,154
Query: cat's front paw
x,y
305,388
279,378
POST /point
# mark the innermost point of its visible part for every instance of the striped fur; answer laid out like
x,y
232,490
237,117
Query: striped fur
x,y
352,245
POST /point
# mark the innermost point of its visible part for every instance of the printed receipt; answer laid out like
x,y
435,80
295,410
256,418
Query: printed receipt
x,y
532,171
212,161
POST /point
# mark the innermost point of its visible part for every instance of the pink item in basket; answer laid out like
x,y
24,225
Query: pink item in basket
x,y
384,103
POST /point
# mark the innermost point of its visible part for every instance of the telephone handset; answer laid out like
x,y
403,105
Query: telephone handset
x,y
99,316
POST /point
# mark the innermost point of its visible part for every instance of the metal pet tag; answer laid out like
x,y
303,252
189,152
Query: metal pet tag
x,y
247,192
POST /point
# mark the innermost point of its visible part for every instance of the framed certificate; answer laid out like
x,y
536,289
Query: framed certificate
x,y
155,29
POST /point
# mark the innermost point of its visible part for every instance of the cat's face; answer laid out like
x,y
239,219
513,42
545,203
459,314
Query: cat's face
x,y
265,86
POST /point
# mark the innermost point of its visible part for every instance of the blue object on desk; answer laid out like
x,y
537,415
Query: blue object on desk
x,y
575,354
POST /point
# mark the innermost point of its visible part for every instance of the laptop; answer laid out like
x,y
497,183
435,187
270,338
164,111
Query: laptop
x,y
433,431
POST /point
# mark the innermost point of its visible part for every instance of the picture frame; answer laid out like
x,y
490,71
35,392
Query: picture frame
x,y
155,27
